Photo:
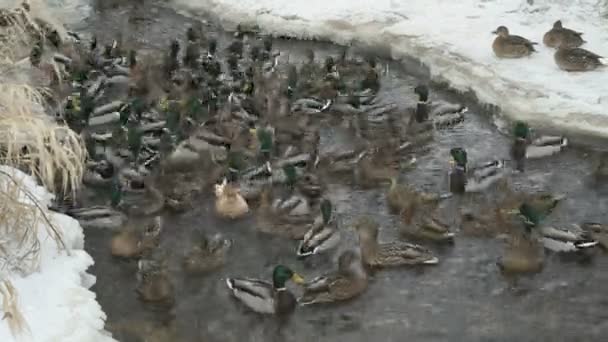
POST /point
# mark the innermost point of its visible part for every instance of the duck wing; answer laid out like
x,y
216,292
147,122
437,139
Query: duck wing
x,y
331,288
256,294
318,236
400,253
579,53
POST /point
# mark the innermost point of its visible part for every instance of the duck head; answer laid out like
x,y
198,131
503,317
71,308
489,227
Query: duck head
x,y
459,157
521,130
282,274
291,175
501,31
326,211
212,47
530,216
557,24
423,93
116,192
330,64
191,34
174,48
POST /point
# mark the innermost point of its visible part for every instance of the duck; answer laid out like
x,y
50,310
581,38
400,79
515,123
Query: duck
x,y
424,224
374,167
156,287
535,208
323,234
378,255
525,147
264,297
575,59
399,196
135,239
348,281
521,256
561,36
284,216
229,203
597,231
98,217
461,179
208,255
511,46
442,114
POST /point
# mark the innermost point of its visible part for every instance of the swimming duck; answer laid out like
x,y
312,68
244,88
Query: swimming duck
x,y
576,59
322,235
228,201
561,36
348,281
479,178
537,207
399,196
442,114
284,217
207,256
389,254
521,256
266,298
373,168
156,287
136,240
511,46
98,217
420,222
566,240
524,147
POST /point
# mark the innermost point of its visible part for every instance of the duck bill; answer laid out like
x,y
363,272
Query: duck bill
x,y
494,32
296,278
253,131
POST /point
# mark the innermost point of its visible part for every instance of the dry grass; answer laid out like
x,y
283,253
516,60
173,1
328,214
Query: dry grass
x,y
30,140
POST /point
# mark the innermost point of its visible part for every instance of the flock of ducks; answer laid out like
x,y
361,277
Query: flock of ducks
x,y
236,123
569,56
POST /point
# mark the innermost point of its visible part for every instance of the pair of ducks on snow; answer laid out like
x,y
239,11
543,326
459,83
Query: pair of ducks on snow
x,y
569,56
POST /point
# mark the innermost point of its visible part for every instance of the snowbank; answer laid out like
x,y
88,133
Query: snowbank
x,y
55,301
453,38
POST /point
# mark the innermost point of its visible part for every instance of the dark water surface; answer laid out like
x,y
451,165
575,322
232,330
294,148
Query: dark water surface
x,y
464,298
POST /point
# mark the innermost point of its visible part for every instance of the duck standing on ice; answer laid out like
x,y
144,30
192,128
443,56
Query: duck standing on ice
x,y
511,46
576,59
564,37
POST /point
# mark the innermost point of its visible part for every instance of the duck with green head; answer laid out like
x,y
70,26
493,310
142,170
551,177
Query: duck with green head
x,y
323,235
521,133
264,297
458,172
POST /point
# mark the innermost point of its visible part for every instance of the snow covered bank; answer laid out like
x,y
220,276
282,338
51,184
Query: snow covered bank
x,y
453,39
54,300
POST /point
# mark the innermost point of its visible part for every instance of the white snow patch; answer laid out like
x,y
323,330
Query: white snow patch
x,y
55,300
453,38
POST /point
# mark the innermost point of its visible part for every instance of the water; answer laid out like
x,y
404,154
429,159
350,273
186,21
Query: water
x,y
464,298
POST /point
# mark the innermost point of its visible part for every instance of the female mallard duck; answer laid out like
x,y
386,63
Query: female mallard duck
x,y
134,241
420,222
209,255
372,169
522,256
228,202
524,147
576,59
263,297
483,175
349,281
400,196
154,283
511,46
389,254
561,36
283,217
322,235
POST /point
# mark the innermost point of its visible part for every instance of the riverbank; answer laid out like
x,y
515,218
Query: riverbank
x,y
453,40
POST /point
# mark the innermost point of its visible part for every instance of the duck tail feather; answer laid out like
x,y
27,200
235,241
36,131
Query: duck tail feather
x,y
230,283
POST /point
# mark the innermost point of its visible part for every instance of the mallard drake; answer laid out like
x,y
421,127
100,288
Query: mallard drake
x,y
597,231
561,36
389,254
576,59
209,255
461,179
348,281
566,239
264,297
443,114
134,241
323,233
511,46
524,147
98,217
228,201
537,207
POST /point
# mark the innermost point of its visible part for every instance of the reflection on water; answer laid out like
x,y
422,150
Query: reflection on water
x,y
464,298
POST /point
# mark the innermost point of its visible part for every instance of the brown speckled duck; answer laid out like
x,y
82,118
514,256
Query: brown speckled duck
x,y
576,59
561,36
511,46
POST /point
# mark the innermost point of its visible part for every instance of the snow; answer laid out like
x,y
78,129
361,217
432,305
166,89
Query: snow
x,y
453,38
55,300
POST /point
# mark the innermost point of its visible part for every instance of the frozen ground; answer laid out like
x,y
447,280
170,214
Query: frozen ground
x,y
55,300
453,39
